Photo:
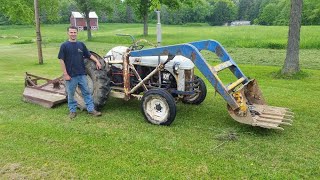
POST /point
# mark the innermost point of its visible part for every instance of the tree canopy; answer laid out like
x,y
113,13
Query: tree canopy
x,y
223,11
22,11
143,8
263,12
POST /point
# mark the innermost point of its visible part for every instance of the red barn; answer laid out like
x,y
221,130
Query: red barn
x,y
77,19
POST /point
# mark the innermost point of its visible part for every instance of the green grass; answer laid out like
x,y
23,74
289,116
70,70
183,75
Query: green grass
x,y
202,143
274,37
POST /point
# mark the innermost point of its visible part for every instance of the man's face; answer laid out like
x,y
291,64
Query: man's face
x,y
72,34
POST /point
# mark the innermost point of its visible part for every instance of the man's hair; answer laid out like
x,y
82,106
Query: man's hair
x,y
72,27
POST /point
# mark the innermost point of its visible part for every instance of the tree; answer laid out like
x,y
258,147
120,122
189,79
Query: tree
x,y
122,13
38,34
3,19
197,13
26,12
143,7
244,9
85,6
18,12
291,63
65,8
311,12
269,14
284,13
129,15
223,11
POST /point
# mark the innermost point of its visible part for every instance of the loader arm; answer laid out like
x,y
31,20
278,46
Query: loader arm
x,y
218,49
245,101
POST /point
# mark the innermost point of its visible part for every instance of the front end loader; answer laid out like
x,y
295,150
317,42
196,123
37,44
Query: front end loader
x,y
162,76
244,98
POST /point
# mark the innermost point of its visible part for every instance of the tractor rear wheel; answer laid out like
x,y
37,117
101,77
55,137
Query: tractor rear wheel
x,y
200,92
158,107
98,84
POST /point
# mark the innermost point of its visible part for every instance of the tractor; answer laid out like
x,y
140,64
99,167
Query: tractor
x,y
162,76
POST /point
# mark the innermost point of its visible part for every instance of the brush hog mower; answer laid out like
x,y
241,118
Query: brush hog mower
x,y
49,93
161,76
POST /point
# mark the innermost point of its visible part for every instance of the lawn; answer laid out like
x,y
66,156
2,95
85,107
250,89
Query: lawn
x,y
203,142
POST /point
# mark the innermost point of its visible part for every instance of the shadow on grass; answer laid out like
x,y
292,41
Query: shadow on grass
x,y
258,131
297,76
26,41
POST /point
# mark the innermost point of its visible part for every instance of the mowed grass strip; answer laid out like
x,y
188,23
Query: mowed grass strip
x,y
271,37
203,141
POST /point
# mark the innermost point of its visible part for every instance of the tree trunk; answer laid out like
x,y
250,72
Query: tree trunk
x,y
38,33
88,25
145,24
291,64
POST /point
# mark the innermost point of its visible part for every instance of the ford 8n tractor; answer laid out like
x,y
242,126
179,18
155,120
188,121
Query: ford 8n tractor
x,y
162,76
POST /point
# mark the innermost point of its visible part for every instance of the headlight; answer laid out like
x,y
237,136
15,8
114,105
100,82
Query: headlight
x,y
176,68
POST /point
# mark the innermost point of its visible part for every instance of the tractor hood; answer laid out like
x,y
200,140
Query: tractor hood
x,y
153,61
116,54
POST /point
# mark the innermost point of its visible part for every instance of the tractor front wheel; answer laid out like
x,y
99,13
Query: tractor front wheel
x,y
158,107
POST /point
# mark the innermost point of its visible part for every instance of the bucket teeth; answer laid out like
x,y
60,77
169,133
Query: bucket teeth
x,y
264,116
289,113
253,110
273,121
272,117
288,116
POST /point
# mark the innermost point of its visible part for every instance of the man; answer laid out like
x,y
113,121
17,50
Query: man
x,y
71,55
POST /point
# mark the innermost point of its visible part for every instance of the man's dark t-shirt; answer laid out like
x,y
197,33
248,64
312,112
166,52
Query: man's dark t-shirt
x,y
73,54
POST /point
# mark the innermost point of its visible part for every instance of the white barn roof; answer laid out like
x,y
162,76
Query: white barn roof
x,y
80,15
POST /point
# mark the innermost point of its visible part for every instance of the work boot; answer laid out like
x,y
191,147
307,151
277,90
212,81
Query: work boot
x,y
72,115
95,113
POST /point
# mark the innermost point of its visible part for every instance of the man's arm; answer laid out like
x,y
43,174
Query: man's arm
x,y
64,70
93,58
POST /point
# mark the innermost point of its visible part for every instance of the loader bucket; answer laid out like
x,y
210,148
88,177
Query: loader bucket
x,y
254,110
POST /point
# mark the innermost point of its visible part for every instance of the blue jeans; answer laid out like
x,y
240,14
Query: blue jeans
x,y
71,85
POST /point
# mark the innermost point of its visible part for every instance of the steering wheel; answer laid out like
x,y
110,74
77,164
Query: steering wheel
x,y
136,47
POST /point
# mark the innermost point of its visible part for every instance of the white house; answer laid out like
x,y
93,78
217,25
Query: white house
x,y
240,23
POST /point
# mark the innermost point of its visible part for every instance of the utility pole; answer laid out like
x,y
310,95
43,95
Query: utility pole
x,y
37,20
159,37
